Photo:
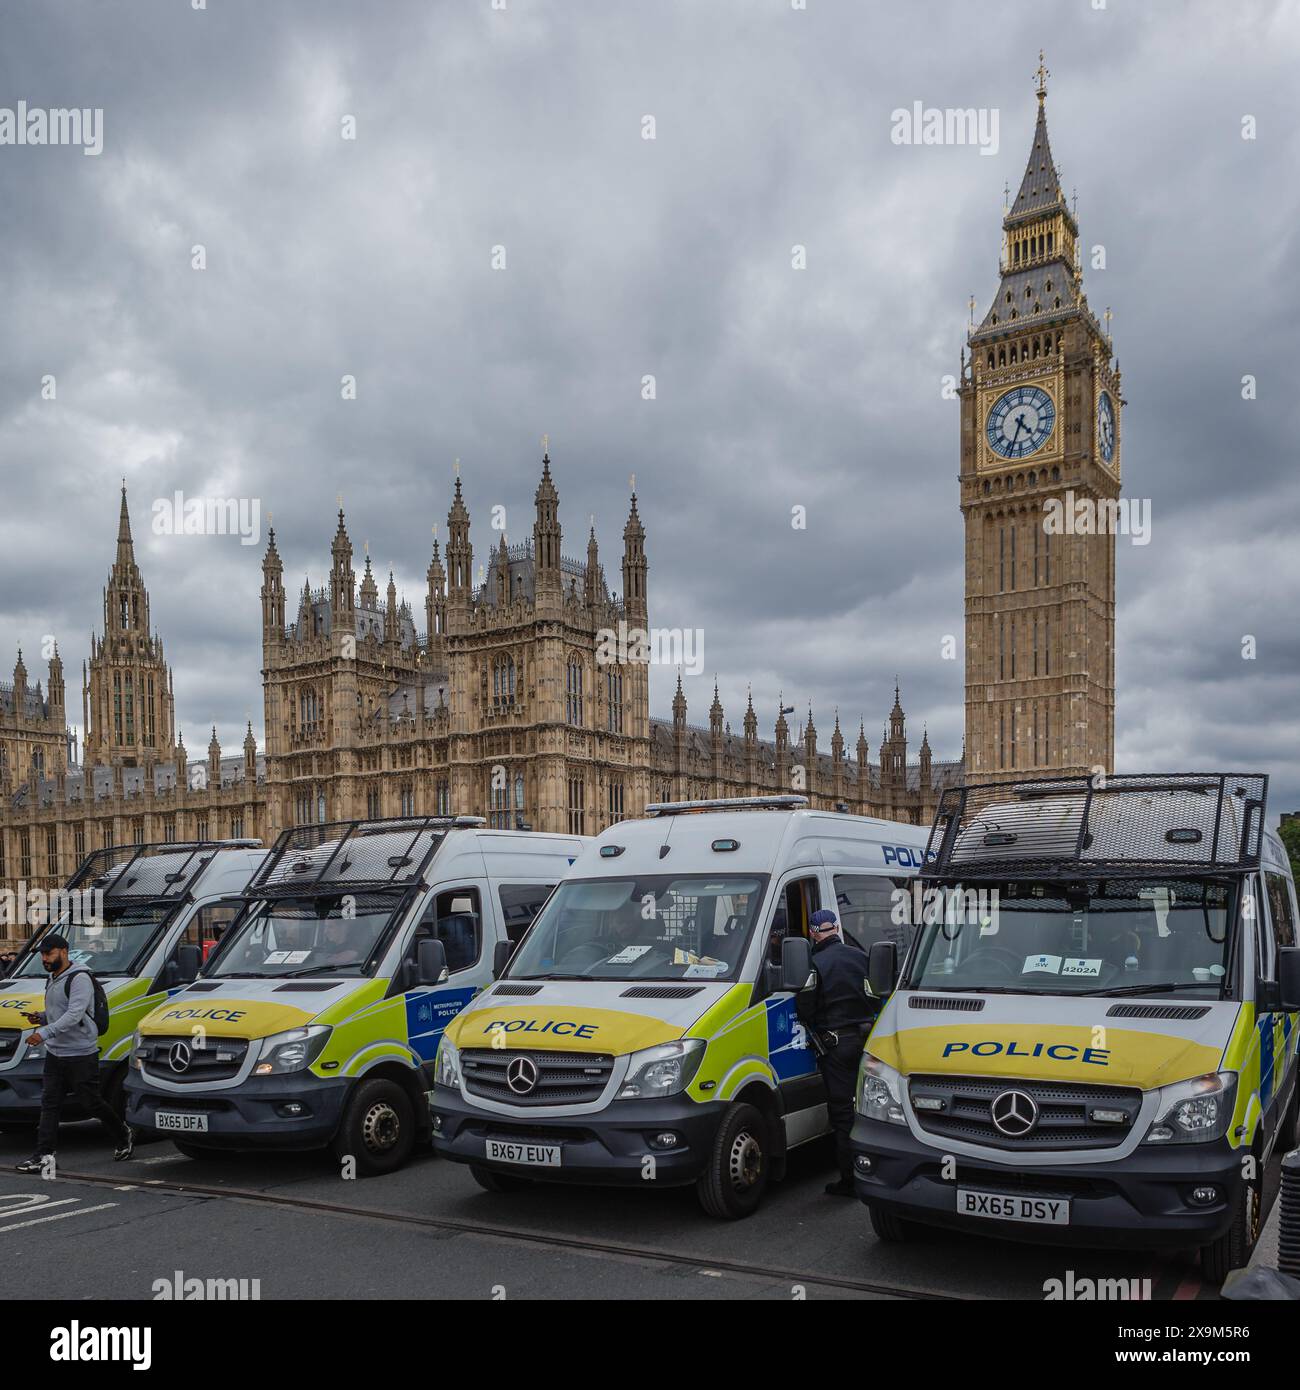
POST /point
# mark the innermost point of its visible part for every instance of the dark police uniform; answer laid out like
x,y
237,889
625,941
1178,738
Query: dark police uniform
x,y
842,1018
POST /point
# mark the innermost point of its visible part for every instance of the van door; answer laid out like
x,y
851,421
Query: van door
x,y
803,1095
204,930
455,916
1277,1040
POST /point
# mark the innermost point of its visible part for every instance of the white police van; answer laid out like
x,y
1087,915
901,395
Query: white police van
x,y
646,1026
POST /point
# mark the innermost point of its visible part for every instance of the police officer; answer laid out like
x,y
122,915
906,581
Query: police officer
x,y
840,1020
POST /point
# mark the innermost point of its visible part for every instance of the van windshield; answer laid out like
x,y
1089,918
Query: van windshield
x,y
653,928
330,934
110,945
1101,937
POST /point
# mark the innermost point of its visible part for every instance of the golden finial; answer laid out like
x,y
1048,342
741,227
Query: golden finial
x,y
1006,198
1042,75
458,468
338,497
631,481
1108,318
972,309
546,443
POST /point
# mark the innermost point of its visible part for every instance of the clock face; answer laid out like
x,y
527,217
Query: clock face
x,y
1106,426
1021,422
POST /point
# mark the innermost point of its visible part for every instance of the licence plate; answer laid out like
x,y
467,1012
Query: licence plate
x,y
1003,1206
535,1155
185,1121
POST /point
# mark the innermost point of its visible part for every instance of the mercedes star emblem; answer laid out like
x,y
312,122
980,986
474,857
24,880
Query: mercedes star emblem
x,y
521,1075
178,1056
1014,1113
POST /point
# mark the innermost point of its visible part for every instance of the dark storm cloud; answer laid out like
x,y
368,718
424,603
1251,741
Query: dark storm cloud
x,y
776,388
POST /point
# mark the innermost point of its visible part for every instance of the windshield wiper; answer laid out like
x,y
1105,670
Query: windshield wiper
x,y
1136,989
315,970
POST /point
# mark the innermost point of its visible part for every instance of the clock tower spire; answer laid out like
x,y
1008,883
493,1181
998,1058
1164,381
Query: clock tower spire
x,y
1040,476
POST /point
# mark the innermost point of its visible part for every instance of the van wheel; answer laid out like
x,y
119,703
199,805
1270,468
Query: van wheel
x,y
378,1128
492,1181
733,1184
890,1229
1233,1249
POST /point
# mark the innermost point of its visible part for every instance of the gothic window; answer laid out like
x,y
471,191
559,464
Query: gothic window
x,y
577,806
503,681
1014,528
519,792
1002,649
1002,558
125,614
1002,739
1013,657
406,800
1002,352
372,803
117,706
990,357
499,802
615,801
320,808
574,689
1047,645
443,797
38,762
614,701
130,710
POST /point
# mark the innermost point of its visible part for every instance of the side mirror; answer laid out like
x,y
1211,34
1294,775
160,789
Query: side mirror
x,y
188,960
501,954
431,961
882,968
796,963
1288,978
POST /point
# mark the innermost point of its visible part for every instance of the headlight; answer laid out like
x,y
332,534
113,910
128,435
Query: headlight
x,y
880,1092
663,1070
446,1069
291,1051
1194,1112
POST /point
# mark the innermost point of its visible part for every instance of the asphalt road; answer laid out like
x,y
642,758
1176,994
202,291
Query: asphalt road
x,y
429,1231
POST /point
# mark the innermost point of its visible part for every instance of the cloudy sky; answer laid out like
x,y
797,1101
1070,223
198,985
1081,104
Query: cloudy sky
x,y
522,127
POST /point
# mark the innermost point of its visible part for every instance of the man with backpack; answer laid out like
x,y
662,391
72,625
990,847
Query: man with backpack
x,y
75,1014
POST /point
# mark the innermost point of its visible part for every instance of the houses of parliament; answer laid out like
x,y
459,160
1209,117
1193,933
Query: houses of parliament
x,y
493,698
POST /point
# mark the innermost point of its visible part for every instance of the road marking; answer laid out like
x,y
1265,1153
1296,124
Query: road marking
x,y
58,1216
27,1200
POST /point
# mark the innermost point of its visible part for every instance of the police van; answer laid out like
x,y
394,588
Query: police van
x,y
357,942
646,1027
140,917
1094,1037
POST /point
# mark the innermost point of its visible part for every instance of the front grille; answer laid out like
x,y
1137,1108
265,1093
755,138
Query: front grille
x,y
9,1042
1064,1119
219,1059
563,1078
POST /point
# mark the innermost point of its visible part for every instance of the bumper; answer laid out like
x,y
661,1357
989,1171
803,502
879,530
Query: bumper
x,y
1142,1202
258,1113
21,1086
608,1147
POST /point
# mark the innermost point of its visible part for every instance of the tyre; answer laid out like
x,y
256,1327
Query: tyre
x,y
739,1166
492,1181
890,1229
1233,1249
377,1129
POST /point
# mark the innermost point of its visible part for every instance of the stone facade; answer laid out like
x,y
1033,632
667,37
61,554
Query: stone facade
x,y
1040,434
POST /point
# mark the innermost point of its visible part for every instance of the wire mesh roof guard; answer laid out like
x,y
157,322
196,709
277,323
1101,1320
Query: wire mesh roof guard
x,y
346,855
1198,822
161,871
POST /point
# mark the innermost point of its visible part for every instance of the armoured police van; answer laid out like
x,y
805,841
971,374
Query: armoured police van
x,y
357,943
1094,1038
141,918
646,1027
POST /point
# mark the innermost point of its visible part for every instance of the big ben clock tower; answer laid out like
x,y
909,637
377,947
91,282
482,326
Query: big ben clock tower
x,y
1040,472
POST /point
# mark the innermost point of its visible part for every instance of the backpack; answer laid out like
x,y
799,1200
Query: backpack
x,y
99,1002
